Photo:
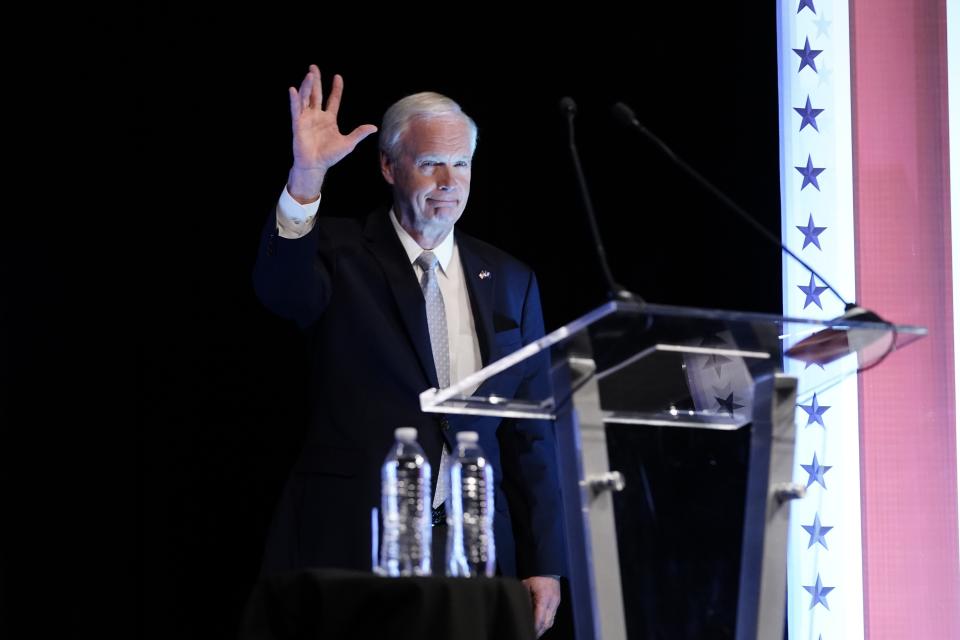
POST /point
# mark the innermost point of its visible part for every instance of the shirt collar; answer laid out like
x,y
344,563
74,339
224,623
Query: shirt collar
x,y
443,251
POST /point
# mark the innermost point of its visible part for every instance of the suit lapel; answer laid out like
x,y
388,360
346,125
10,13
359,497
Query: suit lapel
x,y
386,246
479,277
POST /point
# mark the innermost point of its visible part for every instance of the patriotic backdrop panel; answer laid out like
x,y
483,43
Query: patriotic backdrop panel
x,y
824,571
873,547
953,92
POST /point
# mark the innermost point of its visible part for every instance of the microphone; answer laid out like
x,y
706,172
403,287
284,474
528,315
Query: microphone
x,y
614,291
568,106
820,348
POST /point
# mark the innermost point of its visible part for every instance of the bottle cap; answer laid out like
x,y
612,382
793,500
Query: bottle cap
x,y
405,434
468,437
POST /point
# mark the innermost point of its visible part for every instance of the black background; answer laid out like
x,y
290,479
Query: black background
x,y
157,479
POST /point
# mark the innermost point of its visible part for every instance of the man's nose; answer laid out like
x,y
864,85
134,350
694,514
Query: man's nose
x,y
445,180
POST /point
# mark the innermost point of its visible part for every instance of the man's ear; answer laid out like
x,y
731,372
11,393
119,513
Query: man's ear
x,y
386,167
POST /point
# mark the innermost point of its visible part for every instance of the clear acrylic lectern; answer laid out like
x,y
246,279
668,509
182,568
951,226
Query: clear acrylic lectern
x,y
642,366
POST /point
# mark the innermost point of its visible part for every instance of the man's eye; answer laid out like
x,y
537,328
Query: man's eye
x,y
462,163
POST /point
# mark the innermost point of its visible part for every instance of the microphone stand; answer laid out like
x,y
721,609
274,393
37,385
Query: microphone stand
x,y
614,291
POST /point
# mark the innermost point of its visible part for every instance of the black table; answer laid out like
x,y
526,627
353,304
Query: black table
x,y
332,603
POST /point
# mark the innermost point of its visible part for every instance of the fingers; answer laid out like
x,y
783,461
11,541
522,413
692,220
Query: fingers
x,y
294,104
309,95
333,100
306,86
540,622
316,90
544,613
359,133
545,596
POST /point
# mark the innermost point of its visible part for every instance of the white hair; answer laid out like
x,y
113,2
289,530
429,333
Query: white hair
x,y
426,104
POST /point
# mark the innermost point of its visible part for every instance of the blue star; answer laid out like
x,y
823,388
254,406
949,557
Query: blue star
x,y
712,340
819,593
817,532
806,3
807,55
812,292
726,404
809,115
811,234
815,412
816,471
810,174
716,361
822,26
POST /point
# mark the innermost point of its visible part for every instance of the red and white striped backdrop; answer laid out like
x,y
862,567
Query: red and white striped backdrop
x,y
871,182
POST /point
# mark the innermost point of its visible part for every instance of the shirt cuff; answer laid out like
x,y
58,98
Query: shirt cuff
x,y
295,220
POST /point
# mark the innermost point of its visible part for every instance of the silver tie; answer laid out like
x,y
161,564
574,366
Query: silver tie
x,y
437,325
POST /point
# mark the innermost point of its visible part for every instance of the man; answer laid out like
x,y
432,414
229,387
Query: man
x,y
360,292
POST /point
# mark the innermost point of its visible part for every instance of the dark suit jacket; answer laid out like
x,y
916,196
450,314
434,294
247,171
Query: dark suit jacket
x,y
352,288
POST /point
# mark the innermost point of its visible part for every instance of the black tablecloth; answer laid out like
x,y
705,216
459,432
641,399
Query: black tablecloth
x,y
331,603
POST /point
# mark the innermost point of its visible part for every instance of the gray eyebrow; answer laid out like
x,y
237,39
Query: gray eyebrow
x,y
437,158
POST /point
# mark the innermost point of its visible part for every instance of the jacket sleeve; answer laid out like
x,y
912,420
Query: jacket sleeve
x,y
531,457
292,277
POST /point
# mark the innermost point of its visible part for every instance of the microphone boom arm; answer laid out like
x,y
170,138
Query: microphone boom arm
x,y
625,115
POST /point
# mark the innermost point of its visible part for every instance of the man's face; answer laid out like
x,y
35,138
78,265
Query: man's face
x,y
431,173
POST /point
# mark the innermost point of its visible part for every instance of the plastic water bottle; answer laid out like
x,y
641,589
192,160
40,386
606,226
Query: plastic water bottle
x,y
470,545
405,483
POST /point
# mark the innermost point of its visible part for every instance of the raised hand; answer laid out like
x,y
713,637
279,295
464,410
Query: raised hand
x,y
317,141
